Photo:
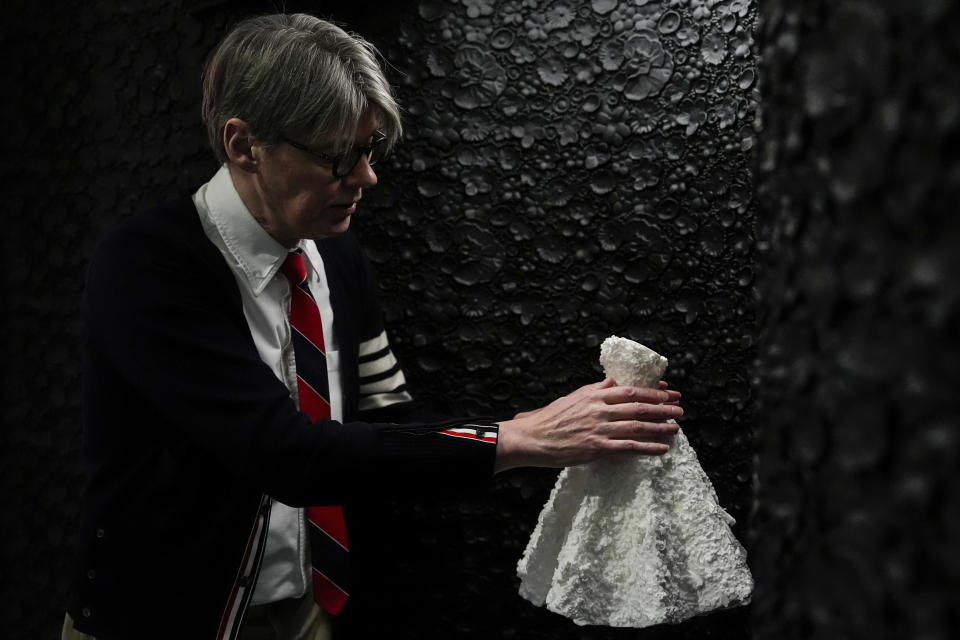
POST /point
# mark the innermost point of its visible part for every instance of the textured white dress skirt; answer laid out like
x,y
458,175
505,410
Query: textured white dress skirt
x,y
635,543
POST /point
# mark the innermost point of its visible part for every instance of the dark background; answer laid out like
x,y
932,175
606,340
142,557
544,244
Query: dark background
x,y
790,245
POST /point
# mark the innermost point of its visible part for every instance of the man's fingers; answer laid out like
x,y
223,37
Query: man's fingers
x,y
632,448
641,430
606,383
618,395
644,411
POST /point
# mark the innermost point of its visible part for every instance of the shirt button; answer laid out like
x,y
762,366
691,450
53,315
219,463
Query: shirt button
x,y
91,574
86,612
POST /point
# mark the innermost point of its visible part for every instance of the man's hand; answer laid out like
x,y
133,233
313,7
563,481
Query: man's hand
x,y
595,421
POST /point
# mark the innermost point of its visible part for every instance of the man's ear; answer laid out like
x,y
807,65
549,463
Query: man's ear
x,y
239,146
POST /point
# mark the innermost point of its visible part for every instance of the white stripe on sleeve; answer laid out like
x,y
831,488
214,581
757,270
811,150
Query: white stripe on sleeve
x,y
374,344
382,386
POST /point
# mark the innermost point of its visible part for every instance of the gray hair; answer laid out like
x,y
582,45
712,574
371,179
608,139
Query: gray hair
x,y
299,77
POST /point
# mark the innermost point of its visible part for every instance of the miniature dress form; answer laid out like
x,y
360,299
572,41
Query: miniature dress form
x,y
635,543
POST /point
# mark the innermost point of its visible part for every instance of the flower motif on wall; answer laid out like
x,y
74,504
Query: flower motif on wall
x,y
688,35
595,155
552,71
509,158
739,7
728,112
674,147
438,64
510,102
528,132
646,174
473,130
481,77
677,90
430,11
536,26
669,22
647,66
714,48
559,17
610,125
604,182
700,11
693,114
560,105
502,38
555,193
522,54
584,72
551,249
569,133
438,127
645,118
475,182
477,8
611,55
476,305
584,33
604,7
742,42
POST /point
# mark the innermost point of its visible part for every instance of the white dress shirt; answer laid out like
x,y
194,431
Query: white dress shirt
x,y
255,258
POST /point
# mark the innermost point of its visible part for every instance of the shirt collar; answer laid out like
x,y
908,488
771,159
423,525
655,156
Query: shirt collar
x,y
258,255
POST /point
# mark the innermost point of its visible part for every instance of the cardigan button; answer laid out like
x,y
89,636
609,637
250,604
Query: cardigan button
x,y
100,533
86,612
91,574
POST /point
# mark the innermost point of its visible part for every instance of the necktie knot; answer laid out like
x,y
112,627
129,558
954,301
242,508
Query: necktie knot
x,y
294,268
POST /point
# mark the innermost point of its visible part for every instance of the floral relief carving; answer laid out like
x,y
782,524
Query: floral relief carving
x,y
481,78
646,64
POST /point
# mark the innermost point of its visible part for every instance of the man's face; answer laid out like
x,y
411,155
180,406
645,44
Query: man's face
x,y
298,197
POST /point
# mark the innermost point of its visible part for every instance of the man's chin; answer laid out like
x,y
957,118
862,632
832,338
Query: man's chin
x,y
335,228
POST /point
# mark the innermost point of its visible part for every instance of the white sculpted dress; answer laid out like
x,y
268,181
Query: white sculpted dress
x,y
639,542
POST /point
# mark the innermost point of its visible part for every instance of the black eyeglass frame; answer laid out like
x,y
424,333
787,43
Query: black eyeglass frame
x,y
335,160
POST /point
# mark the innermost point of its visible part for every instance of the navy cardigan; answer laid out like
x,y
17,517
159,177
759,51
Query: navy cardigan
x,y
186,431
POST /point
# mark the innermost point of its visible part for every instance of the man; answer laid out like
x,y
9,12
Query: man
x,y
237,371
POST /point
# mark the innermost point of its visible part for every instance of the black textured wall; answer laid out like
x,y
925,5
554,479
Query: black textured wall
x,y
571,170
855,535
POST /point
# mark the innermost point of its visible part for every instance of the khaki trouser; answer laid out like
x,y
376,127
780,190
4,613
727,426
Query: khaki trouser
x,y
290,619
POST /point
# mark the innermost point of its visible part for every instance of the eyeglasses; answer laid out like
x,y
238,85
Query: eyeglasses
x,y
342,164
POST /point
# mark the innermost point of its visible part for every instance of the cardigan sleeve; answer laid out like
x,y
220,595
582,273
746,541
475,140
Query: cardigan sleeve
x,y
381,380
164,323
381,386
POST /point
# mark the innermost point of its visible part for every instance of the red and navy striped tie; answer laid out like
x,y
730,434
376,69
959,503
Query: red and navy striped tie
x,y
329,550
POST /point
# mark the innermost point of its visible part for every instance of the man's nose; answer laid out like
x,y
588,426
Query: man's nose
x,y
363,175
